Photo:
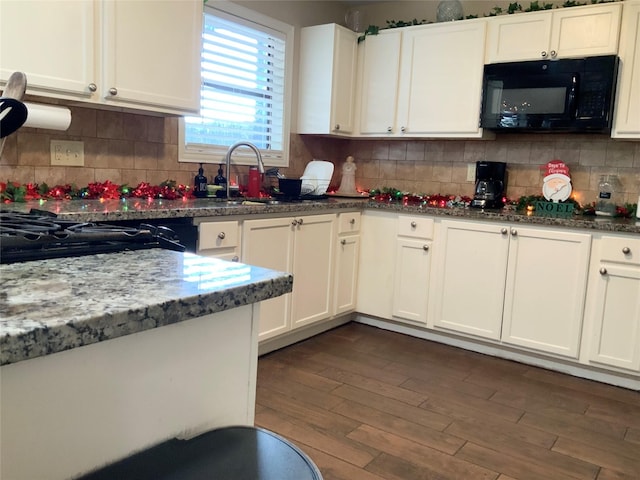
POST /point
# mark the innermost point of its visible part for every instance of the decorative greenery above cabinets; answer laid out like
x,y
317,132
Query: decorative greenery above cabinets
x,y
514,7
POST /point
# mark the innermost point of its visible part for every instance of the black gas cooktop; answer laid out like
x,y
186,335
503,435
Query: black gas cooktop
x,y
40,235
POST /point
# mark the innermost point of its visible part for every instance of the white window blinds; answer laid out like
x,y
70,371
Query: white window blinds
x,y
243,87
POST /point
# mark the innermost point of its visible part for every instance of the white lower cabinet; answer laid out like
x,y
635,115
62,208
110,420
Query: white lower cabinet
x,y
412,269
519,285
469,277
346,263
377,264
545,290
304,246
614,310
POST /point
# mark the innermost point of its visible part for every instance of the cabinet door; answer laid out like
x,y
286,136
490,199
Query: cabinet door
x,y
268,243
616,318
312,269
627,109
545,290
518,37
376,269
52,42
346,273
441,79
582,32
378,88
413,271
344,82
470,277
152,53
326,79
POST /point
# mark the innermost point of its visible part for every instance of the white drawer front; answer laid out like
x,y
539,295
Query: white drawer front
x,y
620,250
349,222
416,227
218,235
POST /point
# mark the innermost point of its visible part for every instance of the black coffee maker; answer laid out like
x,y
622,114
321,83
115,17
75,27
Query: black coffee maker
x,y
490,185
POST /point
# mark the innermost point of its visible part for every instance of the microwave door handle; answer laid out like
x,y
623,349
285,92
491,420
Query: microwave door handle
x,y
572,101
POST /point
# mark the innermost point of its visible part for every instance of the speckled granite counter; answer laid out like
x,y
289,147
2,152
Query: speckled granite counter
x,y
54,305
137,209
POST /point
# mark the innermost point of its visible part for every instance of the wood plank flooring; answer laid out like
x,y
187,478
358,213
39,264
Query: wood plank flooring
x,y
368,404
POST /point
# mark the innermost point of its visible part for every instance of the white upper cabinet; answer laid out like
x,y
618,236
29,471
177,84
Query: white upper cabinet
x,y
326,82
565,32
53,43
151,53
626,122
136,54
441,80
379,57
422,81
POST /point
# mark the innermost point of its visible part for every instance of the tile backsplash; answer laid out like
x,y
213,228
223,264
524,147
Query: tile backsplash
x,y
128,148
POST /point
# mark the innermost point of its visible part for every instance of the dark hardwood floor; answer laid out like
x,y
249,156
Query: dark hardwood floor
x,y
368,404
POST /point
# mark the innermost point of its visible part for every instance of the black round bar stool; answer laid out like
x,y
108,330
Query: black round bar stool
x,y
230,453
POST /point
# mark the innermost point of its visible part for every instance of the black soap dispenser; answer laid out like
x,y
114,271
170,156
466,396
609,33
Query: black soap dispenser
x,y
220,180
200,184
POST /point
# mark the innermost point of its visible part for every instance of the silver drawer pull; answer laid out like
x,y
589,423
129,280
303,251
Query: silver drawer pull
x,y
626,250
504,231
343,242
221,235
294,222
514,232
603,271
300,222
425,247
352,221
235,258
414,224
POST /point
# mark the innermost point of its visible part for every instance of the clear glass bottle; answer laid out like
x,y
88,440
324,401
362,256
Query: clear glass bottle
x,y
606,201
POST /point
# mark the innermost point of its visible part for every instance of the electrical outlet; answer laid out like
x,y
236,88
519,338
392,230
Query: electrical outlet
x,y
471,172
67,153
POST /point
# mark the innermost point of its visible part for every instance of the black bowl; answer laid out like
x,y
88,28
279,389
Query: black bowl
x,y
290,186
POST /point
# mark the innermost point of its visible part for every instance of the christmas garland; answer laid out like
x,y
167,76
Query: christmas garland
x,y
15,192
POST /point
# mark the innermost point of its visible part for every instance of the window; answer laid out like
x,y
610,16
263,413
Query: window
x,y
245,90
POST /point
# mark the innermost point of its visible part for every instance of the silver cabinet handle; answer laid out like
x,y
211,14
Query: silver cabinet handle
x,y
113,91
337,127
221,235
343,242
425,247
414,224
543,54
514,232
294,222
626,250
300,222
603,271
93,87
553,53
504,231
403,129
235,258
389,129
352,221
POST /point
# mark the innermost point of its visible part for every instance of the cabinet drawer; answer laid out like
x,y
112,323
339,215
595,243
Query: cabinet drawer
x,y
349,222
621,250
218,235
416,227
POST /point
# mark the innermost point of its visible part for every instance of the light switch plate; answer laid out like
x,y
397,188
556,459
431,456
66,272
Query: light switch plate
x,y
67,153
471,172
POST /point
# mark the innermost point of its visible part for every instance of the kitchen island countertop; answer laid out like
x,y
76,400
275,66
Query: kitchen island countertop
x,y
49,306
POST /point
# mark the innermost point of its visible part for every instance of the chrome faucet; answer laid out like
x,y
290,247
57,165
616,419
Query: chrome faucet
x,y
227,159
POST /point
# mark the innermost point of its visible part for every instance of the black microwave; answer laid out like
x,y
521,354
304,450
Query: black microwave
x,y
566,95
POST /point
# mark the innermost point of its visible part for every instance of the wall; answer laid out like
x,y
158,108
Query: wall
x,y
128,148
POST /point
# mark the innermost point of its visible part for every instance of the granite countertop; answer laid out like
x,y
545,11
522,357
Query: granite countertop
x,y
140,209
49,306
